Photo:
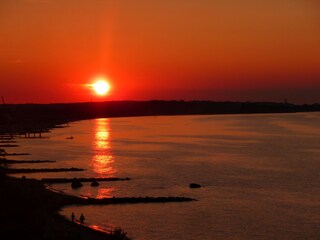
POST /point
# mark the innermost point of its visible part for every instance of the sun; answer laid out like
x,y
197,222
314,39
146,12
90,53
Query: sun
x,y
101,87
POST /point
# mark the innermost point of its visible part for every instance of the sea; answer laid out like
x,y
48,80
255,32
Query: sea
x,y
259,174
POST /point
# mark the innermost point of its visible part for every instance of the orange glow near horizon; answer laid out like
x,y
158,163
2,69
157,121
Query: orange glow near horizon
x,y
102,160
167,50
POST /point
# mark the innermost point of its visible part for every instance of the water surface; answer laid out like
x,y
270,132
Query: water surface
x,y
260,174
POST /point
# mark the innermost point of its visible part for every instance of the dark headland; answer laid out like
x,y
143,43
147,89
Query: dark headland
x,y
28,209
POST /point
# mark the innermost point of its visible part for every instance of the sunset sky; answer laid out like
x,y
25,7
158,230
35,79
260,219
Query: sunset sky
x,y
255,50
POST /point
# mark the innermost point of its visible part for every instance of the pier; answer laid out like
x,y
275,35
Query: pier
x,y
25,134
30,134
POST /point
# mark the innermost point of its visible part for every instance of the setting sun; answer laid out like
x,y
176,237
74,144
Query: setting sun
x,y
101,87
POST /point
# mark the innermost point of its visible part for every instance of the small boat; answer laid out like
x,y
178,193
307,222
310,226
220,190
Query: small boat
x,y
70,138
194,185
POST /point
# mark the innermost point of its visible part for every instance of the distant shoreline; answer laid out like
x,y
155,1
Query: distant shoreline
x,y
37,118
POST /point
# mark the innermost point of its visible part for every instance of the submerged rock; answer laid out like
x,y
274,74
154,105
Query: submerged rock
x,y
76,183
194,185
94,184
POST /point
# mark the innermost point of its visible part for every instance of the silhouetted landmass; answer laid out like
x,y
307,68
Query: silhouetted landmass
x,y
21,118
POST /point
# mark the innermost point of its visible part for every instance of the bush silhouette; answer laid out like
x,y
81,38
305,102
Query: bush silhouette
x,y
118,234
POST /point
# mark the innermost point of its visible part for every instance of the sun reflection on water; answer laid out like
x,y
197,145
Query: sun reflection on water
x,y
102,158
105,192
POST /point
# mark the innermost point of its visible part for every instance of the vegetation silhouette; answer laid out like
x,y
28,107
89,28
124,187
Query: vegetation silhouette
x,y
38,118
119,234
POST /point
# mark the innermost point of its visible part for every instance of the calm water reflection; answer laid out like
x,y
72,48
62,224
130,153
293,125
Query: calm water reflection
x,y
102,158
260,174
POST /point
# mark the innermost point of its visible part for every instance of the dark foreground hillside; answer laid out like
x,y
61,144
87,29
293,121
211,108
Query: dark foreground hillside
x,y
26,212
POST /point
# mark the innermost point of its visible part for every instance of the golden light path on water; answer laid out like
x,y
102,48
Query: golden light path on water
x,y
102,160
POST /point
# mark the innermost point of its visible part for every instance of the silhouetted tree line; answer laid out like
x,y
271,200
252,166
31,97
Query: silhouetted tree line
x,y
31,117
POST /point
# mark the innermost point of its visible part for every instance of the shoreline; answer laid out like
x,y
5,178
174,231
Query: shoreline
x,y
29,210
31,120
27,205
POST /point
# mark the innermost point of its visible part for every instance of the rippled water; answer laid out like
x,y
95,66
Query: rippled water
x,y
260,174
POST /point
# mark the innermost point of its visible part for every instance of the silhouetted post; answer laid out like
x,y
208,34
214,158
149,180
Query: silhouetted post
x,y
72,217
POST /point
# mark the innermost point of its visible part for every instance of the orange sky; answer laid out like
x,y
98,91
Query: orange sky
x,y
253,50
